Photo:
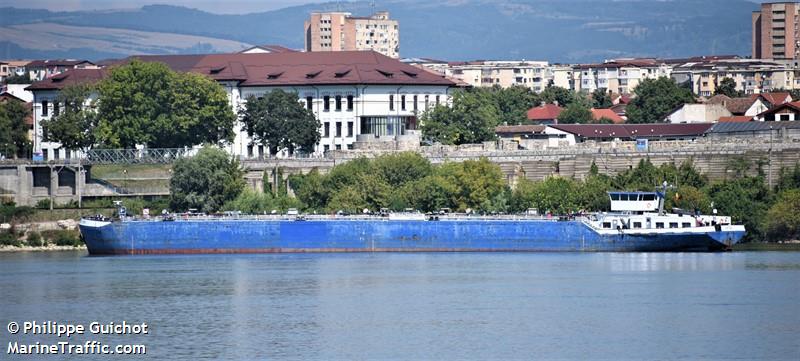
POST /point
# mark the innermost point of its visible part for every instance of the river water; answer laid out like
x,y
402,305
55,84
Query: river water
x,y
698,306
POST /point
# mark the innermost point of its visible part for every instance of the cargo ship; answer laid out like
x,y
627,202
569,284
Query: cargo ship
x,y
636,223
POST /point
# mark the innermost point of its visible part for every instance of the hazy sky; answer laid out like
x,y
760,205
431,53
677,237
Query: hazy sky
x,y
215,6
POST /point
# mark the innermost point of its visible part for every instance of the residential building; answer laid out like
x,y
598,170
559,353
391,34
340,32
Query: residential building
x,y
544,114
356,95
268,48
10,68
42,69
619,76
340,31
610,114
535,75
775,31
698,113
752,76
4,71
18,91
783,112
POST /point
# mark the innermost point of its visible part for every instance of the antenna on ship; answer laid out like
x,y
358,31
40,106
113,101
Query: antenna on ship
x,y
662,196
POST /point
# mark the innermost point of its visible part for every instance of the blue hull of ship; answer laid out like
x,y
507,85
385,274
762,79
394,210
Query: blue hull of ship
x,y
275,236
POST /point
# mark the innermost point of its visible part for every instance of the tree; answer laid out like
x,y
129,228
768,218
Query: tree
x,y
577,112
556,195
147,103
278,120
205,181
655,98
746,200
471,119
13,130
477,181
783,218
727,87
552,94
513,103
601,98
401,168
74,126
18,79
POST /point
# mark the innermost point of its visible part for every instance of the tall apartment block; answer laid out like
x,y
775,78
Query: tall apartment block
x,y
338,31
775,31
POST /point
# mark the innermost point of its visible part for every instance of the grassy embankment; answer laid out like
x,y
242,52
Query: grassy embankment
x,y
134,176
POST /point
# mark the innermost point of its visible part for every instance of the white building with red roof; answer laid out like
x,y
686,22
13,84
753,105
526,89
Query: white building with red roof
x,y
356,95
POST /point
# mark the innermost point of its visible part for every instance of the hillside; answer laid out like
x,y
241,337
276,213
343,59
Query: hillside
x,y
555,30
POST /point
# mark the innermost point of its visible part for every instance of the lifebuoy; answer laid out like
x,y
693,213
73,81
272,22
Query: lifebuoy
x,y
649,204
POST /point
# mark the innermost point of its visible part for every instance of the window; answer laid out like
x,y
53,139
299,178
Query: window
x,y
338,129
261,151
349,129
326,148
391,102
686,225
326,100
402,102
637,224
56,109
326,130
673,224
437,100
606,224
338,103
349,146
426,102
310,103
349,103
415,103
44,108
250,151
614,197
338,147
659,224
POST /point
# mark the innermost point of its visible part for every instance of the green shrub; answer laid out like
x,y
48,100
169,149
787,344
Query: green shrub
x,y
43,204
24,212
35,239
63,237
9,239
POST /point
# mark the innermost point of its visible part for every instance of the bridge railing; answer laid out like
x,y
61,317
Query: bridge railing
x,y
135,156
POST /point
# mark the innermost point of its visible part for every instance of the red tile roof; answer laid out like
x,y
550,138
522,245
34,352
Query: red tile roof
x,y
56,62
735,119
69,77
271,48
795,106
278,69
633,131
544,112
773,98
597,114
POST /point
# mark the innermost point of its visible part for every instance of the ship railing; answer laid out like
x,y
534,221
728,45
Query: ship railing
x,y
351,217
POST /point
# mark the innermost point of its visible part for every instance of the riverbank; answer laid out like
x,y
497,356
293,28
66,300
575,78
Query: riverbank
x,y
48,248
751,247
